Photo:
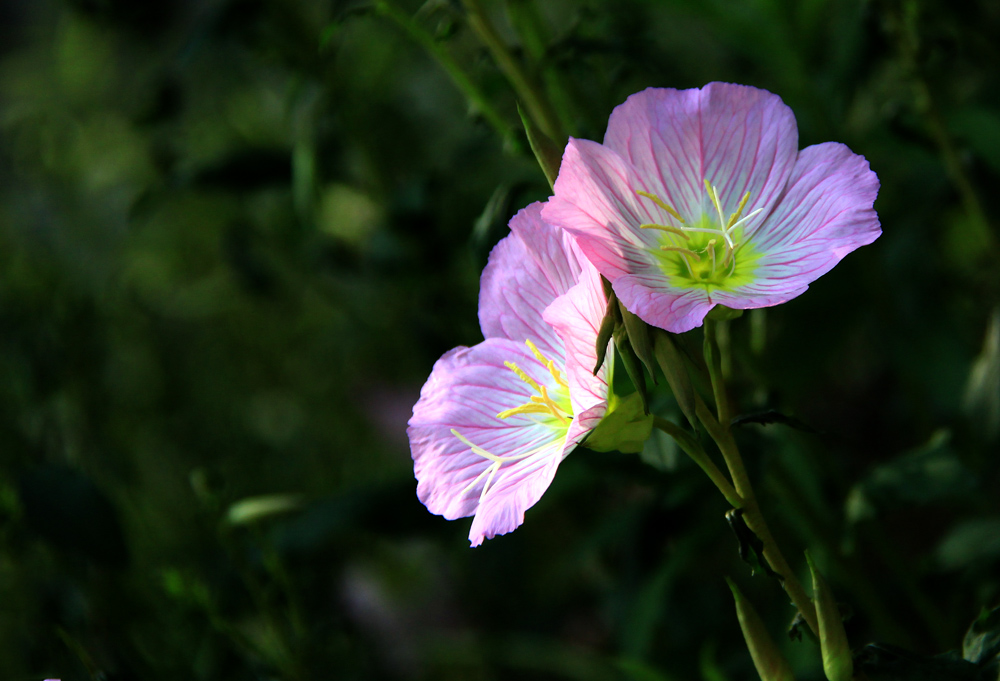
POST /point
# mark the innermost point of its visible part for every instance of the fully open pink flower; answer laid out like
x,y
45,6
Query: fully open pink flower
x,y
701,197
495,420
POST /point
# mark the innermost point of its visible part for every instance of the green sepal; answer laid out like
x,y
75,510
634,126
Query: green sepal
x,y
838,664
675,370
721,313
631,363
608,324
639,339
770,663
625,426
751,547
547,153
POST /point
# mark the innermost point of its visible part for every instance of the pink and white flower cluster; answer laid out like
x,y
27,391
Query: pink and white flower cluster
x,y
696,198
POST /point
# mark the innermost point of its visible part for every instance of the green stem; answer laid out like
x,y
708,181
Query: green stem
x,y
721,431
527,90
713,357
458,76
690,445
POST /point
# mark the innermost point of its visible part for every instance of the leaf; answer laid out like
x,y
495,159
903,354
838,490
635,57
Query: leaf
x,y
838,665
982,640
751,547
624,428
547,153
770,416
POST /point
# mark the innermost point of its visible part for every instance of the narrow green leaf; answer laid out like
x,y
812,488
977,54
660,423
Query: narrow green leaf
x,y
770,663
673,367
838,665
547,153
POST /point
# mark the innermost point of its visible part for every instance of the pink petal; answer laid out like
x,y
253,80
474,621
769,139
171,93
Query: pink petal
x,y
576,317
739,138
825,214
526,271
467,388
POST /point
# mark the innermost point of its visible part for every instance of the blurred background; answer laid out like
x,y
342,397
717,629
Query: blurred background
x,y
236,234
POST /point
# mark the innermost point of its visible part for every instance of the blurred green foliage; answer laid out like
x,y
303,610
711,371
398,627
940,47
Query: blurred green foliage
x,y
236,234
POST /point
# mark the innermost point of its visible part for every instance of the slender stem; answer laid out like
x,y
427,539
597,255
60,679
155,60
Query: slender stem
x,y
691,447
713,357
448,63
721,432
527,90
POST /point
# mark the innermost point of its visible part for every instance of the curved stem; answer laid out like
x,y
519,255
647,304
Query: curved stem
x,y
691,447
721,432
448,63
527,90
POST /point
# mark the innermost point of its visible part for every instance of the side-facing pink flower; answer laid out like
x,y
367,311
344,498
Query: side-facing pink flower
x,y
495,420
701,197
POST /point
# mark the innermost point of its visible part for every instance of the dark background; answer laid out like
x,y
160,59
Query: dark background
x,y
236,234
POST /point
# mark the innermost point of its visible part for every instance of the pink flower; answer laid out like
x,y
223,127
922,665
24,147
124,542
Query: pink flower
x,y
701,197
494,421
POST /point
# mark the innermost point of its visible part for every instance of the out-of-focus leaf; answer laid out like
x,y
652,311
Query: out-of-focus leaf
x,y
69,511
982,388
880,662
982,641
253,509
930,474
979,128
968,542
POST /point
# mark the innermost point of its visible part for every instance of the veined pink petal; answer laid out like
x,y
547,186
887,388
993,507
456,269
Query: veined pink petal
x,y
467,388
652,299
739,138
527,270
576,317
829,200
804,211
596,202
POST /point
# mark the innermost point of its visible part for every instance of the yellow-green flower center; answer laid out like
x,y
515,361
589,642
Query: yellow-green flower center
x,y
709,252
551,407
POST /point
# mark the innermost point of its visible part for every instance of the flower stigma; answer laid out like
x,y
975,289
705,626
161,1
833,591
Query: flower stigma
x,y
703,253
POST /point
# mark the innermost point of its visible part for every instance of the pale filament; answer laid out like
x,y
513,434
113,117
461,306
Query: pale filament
x,y
725,230
540,403
491,470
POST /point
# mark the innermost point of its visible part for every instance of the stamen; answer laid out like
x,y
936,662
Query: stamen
x,y
665,228
489,481
711,249
523,376
713,194
740,222
524,409
549,364
494,467
739,209
659,202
